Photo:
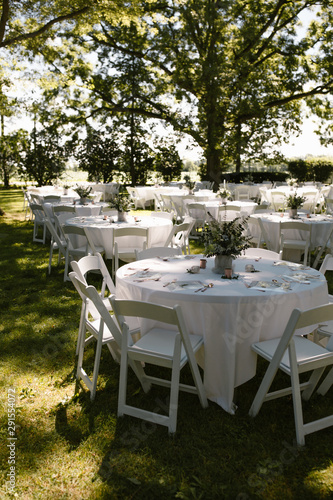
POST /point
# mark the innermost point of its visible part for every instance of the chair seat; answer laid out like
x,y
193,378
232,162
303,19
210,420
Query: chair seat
x,y
305,350
107,335
162,341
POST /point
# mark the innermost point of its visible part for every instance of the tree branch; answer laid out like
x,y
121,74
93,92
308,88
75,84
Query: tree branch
x,y
43,29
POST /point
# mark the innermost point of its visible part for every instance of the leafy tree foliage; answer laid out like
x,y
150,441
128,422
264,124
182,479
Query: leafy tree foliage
x,y
45,158
232,74
99,154
310,170
12,148
167,161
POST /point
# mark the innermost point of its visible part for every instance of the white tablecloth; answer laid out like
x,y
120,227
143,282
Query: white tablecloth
x,y
321,225
108,190
230,316
82,210
289,190
247,207
43,191
101,230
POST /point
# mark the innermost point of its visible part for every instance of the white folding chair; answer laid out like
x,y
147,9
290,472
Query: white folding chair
x,y
75,236
39,222
179,236
229,212
149,253
242,193
121,248
278,200
311,198
300,240
26,203
58,243
198,212
258,233
102,327
295,355
327,246
329,206
94,265
161,346
325,329
135,198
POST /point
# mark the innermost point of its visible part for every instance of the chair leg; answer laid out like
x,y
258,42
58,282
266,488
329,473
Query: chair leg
x,y
296,393
123,375
174,390
313,381
96,368
326,384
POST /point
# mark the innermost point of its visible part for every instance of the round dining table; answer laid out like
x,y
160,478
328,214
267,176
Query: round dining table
x,y
230,314
101,230
321,226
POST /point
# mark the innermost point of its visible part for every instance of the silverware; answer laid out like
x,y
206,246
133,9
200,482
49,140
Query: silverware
x,y
169,283
210,285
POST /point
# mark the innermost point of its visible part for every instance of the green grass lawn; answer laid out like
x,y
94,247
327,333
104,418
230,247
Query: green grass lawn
x,y
68,447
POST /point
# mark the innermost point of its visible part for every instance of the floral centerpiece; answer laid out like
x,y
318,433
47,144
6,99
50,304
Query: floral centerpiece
x,y
121,203
225,240
65,188
294,202
225,194
189,184
83,192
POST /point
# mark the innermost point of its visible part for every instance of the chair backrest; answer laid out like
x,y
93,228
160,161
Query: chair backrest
x,y
167,202
329,205
90,292
327,264
37,211
157,252
179,235
55,236
82,233
197,211
229,212
91,263
58,209
51,198
295,225
125,232
263,235
278,200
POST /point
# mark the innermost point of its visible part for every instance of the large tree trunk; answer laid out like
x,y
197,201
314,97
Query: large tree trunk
x,y
238,148
213,167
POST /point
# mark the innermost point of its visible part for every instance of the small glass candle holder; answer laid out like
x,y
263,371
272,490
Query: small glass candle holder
x,y
203,263
228,272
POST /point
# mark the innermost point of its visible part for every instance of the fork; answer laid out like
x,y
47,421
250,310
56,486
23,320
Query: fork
x,y
210,285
